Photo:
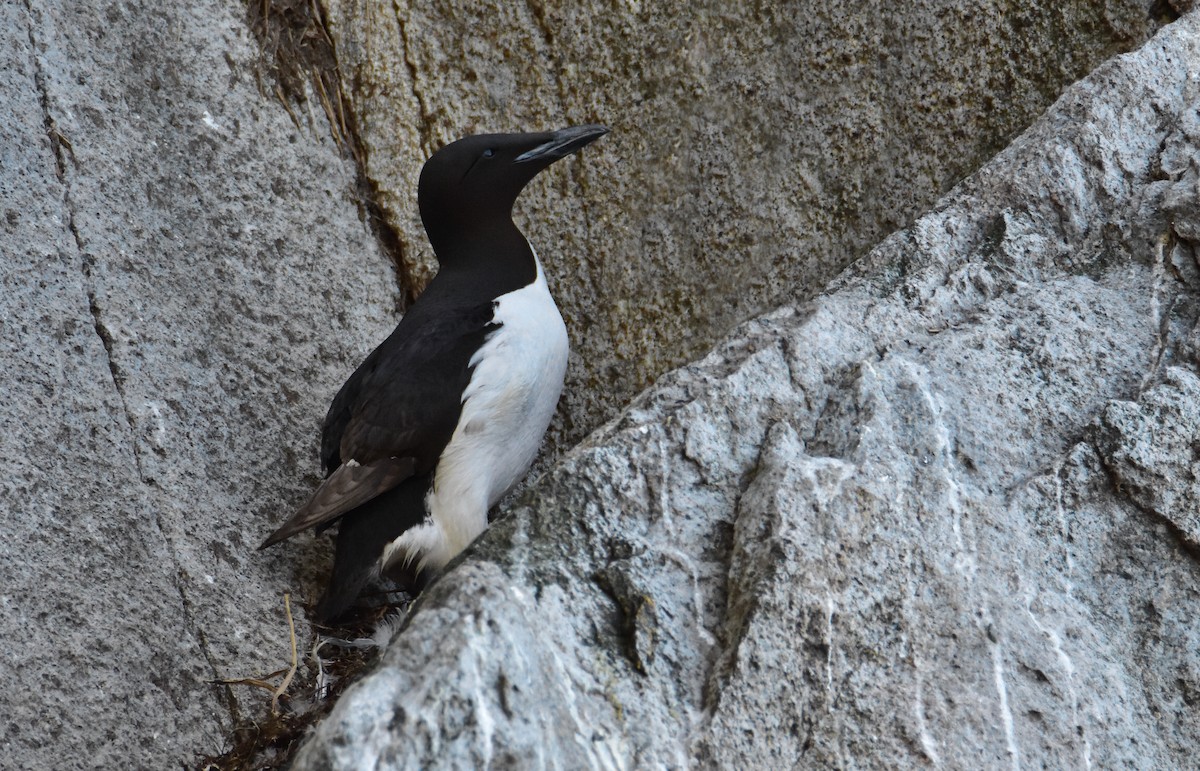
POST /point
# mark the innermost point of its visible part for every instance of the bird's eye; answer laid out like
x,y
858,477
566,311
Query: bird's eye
x,y
488,153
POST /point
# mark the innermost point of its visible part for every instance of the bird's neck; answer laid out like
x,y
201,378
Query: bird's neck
x,y
494,254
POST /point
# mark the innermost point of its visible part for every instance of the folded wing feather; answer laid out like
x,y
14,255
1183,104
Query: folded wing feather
x,y
347,488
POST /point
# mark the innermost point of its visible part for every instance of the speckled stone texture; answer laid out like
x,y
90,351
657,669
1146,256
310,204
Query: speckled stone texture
x,y
186,279
941,515
757,148
184,282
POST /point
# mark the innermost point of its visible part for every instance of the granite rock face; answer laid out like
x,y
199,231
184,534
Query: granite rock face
x,y
184,283
186,279
943,514
757,148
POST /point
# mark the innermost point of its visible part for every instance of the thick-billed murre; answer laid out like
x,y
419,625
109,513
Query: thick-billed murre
x,y
446,415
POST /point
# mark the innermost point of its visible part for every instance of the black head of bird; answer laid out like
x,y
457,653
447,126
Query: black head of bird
x,y
468,188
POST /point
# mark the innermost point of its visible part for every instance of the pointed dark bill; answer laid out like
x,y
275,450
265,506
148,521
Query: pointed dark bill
x,y
563,143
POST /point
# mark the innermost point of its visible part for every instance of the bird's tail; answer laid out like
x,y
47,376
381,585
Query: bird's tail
x,y
362,536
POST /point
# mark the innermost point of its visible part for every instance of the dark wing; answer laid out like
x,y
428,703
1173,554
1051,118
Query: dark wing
x,y
396,413
347,488
405,398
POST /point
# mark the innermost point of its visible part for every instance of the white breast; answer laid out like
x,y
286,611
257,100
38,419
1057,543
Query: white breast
x,y
507,406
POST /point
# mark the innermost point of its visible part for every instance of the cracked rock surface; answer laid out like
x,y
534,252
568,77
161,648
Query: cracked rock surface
x,y
943,514
184,282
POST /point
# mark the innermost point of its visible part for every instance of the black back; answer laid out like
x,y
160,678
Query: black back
x,y
405,398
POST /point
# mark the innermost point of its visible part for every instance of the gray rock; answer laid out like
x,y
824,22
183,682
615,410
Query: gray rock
x,y
185,284
186,281
942,514
1151,448
757,149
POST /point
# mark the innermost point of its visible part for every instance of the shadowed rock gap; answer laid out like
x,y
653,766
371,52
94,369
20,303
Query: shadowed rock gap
x,y
300,57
